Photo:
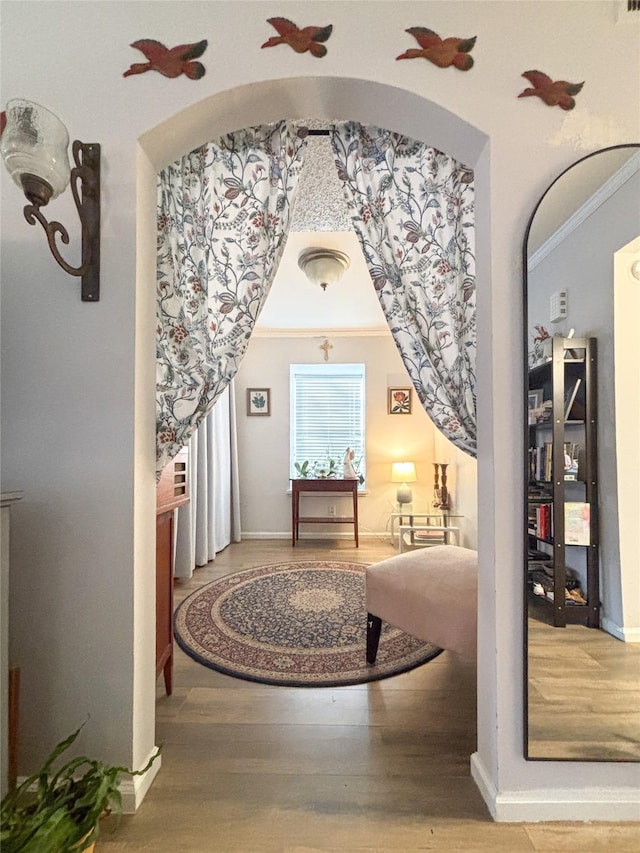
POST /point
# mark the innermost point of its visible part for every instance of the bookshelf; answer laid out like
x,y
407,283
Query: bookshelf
x,y
562,493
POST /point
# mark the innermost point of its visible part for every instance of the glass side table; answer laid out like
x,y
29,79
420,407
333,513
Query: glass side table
x,y
443,527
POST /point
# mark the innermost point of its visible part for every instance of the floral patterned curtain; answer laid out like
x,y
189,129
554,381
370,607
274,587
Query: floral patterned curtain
x,y
412,208
223,217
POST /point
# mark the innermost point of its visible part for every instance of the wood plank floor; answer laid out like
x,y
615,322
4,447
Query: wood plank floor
x,y
584,694
371,768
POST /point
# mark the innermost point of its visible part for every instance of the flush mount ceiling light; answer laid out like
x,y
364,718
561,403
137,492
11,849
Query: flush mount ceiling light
x,y
34,149
323,266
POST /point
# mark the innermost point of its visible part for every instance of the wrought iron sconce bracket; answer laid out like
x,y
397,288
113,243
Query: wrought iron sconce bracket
x,y
85,187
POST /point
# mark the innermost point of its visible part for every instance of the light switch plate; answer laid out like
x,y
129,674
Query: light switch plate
x,y
558,306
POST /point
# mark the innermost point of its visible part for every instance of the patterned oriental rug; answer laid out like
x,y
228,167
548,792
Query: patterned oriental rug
x,y
300,624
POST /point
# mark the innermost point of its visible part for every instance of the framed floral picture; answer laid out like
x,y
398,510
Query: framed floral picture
x,y
399,401
258,401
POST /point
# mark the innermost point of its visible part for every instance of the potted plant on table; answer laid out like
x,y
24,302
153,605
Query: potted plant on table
x,y
58,811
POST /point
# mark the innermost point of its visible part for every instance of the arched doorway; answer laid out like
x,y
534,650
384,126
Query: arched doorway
x,y
323,98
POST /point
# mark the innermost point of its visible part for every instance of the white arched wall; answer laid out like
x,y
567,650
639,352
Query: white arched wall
x,y
82,579
502,774
324,98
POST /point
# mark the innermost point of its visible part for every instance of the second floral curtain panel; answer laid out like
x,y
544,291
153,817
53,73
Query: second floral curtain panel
x,y
223,216
412,208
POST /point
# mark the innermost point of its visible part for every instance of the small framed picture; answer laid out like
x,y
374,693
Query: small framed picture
x,y
399,401
258,401
535,402
535,399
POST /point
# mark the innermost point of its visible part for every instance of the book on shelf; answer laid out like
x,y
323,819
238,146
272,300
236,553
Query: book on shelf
x,y
540,461
541,414
540,520
577,523
571,460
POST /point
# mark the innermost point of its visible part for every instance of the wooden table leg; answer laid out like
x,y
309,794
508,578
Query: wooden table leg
x,y
168,675
355,513
295,497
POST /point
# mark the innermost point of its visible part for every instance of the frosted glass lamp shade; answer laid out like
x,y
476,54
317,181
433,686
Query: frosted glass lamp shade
x,y
403,472
323,266
35,142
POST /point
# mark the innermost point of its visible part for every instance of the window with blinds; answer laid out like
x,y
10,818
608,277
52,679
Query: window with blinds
x,y
327,416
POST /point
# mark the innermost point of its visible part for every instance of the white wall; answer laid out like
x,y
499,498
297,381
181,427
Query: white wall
x,y
263,443
627,402
72,396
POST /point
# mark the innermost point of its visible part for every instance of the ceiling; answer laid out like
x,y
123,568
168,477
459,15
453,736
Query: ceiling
x,y
320,218
578,186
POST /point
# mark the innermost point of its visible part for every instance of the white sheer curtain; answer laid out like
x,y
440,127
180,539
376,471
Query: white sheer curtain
x,y
211,520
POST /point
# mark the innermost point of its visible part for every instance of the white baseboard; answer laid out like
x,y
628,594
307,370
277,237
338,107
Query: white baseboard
x,y
317,535
134,789
627,635
556,804
258,535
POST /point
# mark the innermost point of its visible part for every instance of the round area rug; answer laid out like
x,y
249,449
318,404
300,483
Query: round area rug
x,y
300,624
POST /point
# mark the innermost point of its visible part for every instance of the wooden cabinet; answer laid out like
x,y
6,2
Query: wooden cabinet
x,y
8,677
562,495
172,491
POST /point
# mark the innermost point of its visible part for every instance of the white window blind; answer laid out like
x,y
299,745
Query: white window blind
x,y
327,415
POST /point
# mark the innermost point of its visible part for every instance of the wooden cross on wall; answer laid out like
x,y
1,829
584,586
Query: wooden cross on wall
x,y
326,346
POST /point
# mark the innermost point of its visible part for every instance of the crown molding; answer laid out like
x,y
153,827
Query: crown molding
x,y
587,209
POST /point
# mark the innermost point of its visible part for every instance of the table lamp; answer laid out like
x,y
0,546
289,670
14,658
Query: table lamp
x,y
403,472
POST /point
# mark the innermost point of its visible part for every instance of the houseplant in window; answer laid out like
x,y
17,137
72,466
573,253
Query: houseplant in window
x,y
58,810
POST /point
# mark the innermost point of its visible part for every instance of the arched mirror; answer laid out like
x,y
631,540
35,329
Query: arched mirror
x,y
582,463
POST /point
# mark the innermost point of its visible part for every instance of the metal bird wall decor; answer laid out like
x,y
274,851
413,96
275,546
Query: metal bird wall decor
x,y
171,62
444,53
301,40
554,93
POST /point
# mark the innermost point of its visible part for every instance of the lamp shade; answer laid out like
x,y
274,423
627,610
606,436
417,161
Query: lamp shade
x,y
35,142
403,472
323,266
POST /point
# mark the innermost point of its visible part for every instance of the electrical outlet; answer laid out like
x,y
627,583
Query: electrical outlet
x,y
332,509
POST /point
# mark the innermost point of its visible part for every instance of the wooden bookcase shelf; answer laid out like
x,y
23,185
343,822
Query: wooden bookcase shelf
x,y
562,503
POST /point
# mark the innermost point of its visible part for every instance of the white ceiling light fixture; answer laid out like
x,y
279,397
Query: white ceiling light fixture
x,y
323,266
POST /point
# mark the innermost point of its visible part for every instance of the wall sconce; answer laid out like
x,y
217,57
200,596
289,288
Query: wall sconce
x,y
34,149
403,472
323,266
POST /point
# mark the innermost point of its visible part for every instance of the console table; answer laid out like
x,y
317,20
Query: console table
x,y
322,486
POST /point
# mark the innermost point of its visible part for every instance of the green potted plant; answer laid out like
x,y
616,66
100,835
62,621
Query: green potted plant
x,y
58,811
302,469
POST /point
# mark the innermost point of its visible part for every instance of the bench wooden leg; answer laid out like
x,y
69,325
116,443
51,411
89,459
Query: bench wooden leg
x,y
374,626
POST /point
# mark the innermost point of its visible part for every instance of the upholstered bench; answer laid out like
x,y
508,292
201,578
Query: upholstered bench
x,y
431,594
